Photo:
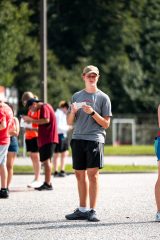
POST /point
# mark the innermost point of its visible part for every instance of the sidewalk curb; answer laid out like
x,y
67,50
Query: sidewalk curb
x,y
71,173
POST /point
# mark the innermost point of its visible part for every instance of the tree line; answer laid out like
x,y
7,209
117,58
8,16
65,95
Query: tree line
x,y
121,37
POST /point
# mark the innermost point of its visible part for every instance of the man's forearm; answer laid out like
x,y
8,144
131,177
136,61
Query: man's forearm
x,y
104,122
70,118
41,121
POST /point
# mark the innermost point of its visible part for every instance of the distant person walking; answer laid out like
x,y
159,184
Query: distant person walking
x,y
47,136
157,186
91,111
31,140
6,122
13,147
61,150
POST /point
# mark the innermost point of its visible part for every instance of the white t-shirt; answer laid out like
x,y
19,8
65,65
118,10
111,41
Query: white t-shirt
x,y
61,122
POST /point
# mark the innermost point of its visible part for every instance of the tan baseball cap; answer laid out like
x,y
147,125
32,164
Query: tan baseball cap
x,y
91,69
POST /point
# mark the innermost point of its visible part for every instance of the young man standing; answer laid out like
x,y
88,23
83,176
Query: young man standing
x,y
47,136
157,186
91,111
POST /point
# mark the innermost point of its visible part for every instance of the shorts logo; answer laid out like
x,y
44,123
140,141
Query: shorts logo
x,y
95,150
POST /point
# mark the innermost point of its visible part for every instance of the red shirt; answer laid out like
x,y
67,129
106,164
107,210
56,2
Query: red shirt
x,y
47,133
6,114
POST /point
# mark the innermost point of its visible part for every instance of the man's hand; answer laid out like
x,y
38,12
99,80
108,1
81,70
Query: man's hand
x,y
87,109
74,108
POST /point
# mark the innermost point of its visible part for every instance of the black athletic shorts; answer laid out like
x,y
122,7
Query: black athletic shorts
x,y
87,154
62,146
46,151
32,145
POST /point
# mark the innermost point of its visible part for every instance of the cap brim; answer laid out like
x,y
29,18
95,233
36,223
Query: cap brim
x,y
30,102
92,72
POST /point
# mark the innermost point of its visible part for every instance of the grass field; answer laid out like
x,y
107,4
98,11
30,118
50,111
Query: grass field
x,y
129,150
107,168
122,150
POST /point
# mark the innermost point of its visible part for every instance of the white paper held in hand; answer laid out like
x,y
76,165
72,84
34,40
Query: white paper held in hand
x,y
23,124
80,104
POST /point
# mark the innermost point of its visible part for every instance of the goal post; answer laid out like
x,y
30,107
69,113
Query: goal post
x,y
117,122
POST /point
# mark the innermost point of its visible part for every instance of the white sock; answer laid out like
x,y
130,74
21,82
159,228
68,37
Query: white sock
x,y
83,209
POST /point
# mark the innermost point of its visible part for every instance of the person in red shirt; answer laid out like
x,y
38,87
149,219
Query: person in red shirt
x,y
47,136
6,123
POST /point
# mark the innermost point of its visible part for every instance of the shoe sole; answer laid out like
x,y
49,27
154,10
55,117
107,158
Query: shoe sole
x,y
4,197
95,220
43,189
76,218
157,220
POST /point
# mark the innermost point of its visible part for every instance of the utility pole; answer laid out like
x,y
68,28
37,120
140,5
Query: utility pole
x,y
43,49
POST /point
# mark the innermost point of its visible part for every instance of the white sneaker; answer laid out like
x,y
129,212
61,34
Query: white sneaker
x,y
34,184
158,217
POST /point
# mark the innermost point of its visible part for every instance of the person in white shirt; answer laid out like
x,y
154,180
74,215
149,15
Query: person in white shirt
x,y
61,149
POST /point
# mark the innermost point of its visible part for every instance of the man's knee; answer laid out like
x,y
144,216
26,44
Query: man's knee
x,y
80,175
93,175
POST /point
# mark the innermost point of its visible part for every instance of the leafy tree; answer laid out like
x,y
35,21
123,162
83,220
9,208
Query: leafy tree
x,y
150,44
120,37
13,27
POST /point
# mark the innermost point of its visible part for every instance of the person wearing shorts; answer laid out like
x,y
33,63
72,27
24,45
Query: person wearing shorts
x,y
157,185
61,149
90,112
13,147
31,138
47,136
6,123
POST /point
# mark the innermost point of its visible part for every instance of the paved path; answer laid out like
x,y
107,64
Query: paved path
x,y
114,160
126,207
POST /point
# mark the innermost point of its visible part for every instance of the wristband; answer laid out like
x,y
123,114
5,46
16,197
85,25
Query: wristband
x,y
91,114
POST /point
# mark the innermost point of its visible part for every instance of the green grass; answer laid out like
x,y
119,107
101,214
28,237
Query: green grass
x,y
129,150
107,168
128,168
22,169
122,150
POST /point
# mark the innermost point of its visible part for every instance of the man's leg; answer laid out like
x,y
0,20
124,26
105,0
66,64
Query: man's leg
x,y
63,159
36,164
3,172
157,189
93,176
48,171
55,161
11,156
81,213
82,183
